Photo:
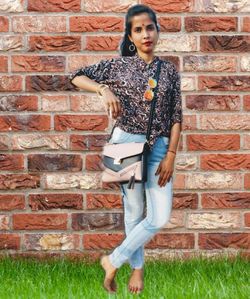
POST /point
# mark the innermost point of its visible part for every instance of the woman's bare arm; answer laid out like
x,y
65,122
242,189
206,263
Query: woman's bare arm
x,y
85,83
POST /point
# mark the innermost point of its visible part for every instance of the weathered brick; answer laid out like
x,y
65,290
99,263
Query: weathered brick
x,y
55,43
213,102
80,122
245,63
10,83
4,142
180,43
228,200
177,220
102,43
225,83
11,162
4,24
51,241
102,241
210,24
170,24
169,6
93,162
19,181
88,142
48,83
54,162
209,63
9,241
247,181
247,219
213,220
25,123
224,161
11,43
171,241
39,24
104,6
3,64
40,221
74,61
185,162
10,202
18,103
33,63
246,24
54,5
103,201
97,221
39,141
185,201
225,43
4,222
54,103
221,6
55,201
246,141
86,103
96,23
225,122
224,240
196,142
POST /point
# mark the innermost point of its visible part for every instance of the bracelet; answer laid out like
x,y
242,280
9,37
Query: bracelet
x,y
101,89
172,152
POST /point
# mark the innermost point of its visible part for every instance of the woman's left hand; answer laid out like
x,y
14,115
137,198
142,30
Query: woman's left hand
x,y
165,169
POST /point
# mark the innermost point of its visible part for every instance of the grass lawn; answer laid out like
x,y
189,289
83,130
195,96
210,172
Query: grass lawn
x,y
195,278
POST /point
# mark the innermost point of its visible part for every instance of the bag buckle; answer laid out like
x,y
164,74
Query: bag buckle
x,y
117,161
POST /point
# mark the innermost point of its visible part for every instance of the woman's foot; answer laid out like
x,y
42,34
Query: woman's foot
x,y
135,284
110,271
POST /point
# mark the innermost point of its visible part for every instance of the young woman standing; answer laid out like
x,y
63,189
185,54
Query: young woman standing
x,y
124,85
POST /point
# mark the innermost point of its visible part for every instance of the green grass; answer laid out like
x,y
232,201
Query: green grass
x,y
194,278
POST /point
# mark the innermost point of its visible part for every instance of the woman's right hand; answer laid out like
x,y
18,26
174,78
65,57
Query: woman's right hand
x,y
111,102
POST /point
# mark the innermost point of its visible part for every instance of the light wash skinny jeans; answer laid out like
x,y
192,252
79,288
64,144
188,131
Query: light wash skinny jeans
x,y
158,199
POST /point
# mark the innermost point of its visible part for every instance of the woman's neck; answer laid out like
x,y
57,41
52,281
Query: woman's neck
x,y
147,57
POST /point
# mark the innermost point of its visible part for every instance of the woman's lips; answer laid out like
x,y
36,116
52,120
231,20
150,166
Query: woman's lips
x,y
147,43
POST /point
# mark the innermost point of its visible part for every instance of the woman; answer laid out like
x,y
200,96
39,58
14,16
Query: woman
x,y
122,82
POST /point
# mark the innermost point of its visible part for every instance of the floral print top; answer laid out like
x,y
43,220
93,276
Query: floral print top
x,y
127,77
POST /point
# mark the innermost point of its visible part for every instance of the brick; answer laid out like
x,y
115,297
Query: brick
x,y
246,141
66,181
55,201
245,63
103,201
213,181
189,122
9,241
80,122
3,64
19,181
225,122
225,83
38,63
202,24
39,24
188,83
54,162
40,221
12,6
18,103
247,219
104,6
225,43
4,24
86,103
10,202
100,221
224,161
39,141
25,123
207,63
11,43
213,220
54,5
48,83
102,43
180,43
169,6
96,23
4,142
4,222
219,6
179,181
245,24
11,162
185,201
102,241
228,200
54,103
170,24
246,102
171,241
224,240
213,102
10,83
197,142
186,162
88,142
51,241
177,220
55,43
84,60
247,181
93,162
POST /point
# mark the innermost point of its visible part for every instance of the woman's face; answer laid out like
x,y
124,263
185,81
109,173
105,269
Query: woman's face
x,y
143,33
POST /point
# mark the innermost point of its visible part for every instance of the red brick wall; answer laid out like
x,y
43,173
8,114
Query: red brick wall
x,y
51,135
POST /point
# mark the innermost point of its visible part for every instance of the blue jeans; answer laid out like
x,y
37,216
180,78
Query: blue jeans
x,y
158,199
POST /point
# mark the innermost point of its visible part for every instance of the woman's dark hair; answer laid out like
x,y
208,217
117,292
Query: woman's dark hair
x,y
134,11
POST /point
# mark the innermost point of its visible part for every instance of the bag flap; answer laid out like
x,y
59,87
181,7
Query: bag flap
x,y
123,150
